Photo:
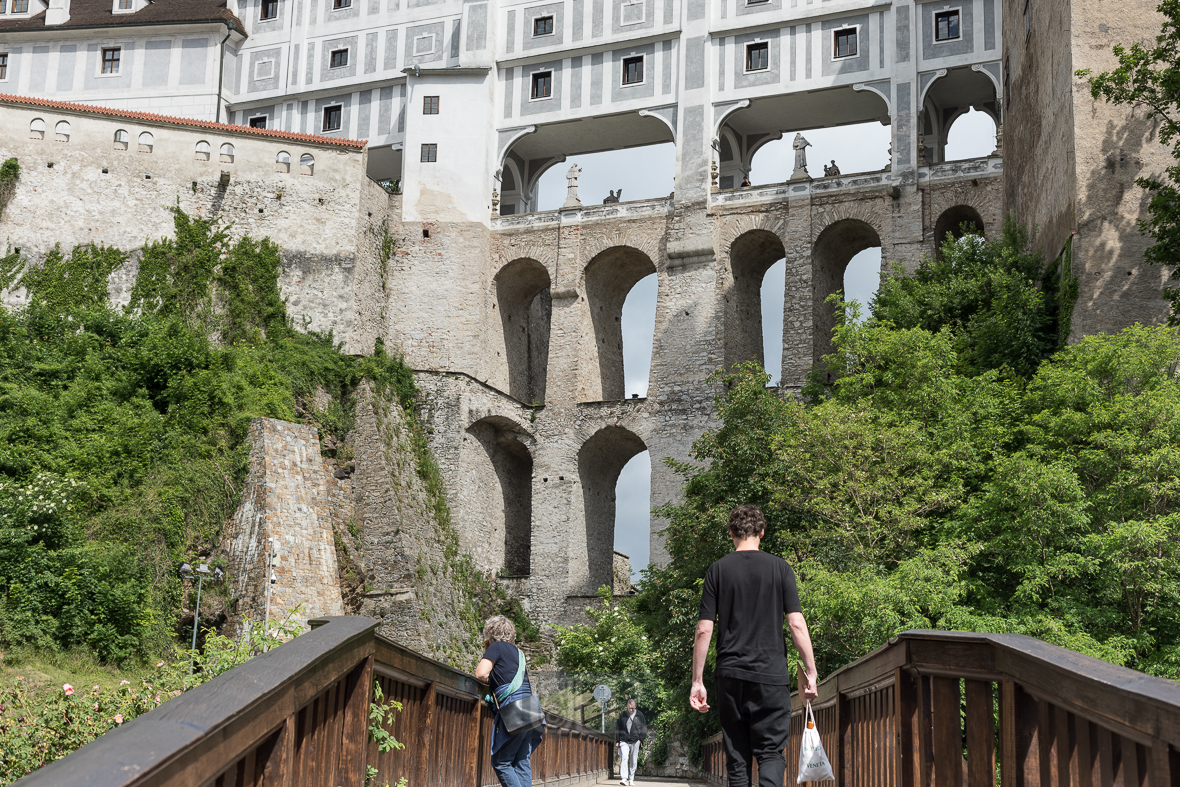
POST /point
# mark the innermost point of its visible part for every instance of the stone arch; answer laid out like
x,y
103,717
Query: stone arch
x,y
600,459
836,245
609,277
952,221
750,255
525,306
496,501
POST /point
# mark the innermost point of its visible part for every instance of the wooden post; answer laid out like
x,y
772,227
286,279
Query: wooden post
x,y
1160,772
947,737
278,768
424,754
905,708
845,750
925,752
356,724
474,744
981,749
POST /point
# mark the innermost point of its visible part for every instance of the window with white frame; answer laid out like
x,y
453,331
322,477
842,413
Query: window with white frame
x,y
333,118
20,6
543,26
227,153
542,85
633,70
946,25
339,4
269,10
204,149
122,140
338,58
264,69
632,12
147,142
844,42
37,129
758,56
111,57
424,44
62,131
3,66
258,121
124,5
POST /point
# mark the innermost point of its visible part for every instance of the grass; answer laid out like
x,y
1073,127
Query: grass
x,y
44,673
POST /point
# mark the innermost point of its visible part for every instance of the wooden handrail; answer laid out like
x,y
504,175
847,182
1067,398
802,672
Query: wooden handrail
x,y
928,709
299,715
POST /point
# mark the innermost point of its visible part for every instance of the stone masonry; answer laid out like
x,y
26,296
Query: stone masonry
x,y
292,503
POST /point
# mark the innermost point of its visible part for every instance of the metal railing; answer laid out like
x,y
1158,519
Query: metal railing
x,y
947,709
299,716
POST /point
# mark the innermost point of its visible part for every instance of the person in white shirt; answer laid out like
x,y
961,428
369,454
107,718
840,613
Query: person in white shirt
x,y
629,736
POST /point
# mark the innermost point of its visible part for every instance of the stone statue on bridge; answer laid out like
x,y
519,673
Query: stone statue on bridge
x,y
800,145
571,187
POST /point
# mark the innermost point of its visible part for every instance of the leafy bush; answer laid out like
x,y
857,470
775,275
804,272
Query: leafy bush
x,y
124,433
921,489
36,728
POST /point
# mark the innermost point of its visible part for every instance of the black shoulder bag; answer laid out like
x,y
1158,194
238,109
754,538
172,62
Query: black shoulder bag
x,y
523,714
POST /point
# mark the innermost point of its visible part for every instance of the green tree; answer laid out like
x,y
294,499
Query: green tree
x,y
1148,77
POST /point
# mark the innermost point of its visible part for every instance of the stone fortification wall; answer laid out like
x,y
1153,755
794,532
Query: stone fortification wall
x,y
1074,160
80,187
410,580
292,501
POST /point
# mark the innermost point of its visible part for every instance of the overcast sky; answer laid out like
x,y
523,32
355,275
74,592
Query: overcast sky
x,y
647,173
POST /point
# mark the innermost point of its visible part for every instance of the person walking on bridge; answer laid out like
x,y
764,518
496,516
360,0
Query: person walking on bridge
x,y
630,733
746,594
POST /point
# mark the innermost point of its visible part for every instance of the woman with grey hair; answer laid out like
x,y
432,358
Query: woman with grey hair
x,y
498,668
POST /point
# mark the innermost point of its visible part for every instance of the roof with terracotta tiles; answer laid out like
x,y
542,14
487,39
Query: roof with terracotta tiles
x,y
100,13
148,116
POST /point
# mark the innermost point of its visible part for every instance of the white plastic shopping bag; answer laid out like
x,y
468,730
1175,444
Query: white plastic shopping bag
x,y
813,762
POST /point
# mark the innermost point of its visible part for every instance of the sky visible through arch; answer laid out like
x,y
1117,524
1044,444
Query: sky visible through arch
x,y
647,173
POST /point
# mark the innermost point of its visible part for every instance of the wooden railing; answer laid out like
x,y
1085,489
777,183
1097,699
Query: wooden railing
x,y
947,709
298,716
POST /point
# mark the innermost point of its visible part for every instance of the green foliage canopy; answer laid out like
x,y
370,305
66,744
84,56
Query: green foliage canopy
x,y
922,490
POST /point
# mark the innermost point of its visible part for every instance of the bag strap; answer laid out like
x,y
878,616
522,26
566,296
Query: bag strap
x,y
810,717
511,688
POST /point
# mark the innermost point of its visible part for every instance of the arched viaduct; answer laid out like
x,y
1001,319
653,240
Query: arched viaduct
x,y
516,333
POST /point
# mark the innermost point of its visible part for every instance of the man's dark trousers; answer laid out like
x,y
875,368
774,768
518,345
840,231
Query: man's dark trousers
x,y
755,724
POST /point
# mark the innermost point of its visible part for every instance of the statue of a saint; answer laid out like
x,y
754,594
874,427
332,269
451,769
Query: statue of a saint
x,y
800,145
571,187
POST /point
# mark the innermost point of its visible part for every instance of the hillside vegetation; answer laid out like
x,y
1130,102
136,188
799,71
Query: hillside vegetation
x,y
966,471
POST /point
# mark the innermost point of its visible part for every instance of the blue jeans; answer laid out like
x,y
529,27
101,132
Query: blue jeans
x,y
511,759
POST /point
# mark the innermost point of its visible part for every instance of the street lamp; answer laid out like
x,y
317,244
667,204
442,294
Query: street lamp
x,y
202,571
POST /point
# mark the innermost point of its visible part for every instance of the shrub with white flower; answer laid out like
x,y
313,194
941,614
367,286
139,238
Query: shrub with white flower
x,y
41,508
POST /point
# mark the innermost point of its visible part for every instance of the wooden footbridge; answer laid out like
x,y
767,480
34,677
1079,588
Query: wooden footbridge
x,y
930,709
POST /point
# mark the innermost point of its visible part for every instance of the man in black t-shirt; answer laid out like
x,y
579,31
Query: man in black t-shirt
x,y
747,593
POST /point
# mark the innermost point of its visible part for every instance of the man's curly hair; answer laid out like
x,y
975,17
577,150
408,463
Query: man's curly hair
x,y
746,521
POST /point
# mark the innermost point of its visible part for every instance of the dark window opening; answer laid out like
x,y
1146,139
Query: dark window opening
x,y
430,105
338,4
758,56
4,66
632,70
110,60
845,42
429,152
333,117
339,58
946,25
258,122
270,9
543,26
542,84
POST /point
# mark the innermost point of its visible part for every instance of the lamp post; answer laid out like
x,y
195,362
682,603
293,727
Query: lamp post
x,y
270,580
202,571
